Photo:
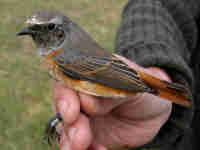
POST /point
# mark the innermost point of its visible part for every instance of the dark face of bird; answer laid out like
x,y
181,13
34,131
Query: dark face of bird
x,y
48,30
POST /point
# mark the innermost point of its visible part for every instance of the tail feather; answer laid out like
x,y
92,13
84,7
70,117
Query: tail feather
x,y
174,92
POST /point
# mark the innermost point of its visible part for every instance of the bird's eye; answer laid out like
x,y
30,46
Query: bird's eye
x,y
51,26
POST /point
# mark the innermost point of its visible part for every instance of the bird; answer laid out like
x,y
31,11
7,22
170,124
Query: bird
x,y
79,62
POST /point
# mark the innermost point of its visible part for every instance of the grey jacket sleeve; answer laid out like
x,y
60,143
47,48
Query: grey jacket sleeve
x,y
161,33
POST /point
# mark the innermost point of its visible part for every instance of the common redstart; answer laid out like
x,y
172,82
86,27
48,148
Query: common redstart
x,y
75,59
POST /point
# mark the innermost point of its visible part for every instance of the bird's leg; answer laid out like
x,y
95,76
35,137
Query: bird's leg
x,y
50,130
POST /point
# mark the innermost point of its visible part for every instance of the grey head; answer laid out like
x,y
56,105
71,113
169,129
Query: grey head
x,y
48,30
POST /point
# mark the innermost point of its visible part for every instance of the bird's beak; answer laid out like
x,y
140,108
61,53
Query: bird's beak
x,y
25,31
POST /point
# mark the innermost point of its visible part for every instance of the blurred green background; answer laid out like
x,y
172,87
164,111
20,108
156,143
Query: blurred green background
x,y
25,97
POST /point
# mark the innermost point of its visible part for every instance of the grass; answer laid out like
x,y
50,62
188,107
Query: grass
x,y
25,97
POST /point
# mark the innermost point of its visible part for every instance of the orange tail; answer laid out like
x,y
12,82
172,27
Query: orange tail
x,y
176,93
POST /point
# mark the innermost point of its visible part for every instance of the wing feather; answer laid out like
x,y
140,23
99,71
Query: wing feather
x,y
110,72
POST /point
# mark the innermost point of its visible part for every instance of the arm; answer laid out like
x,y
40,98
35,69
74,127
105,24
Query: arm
x,y
150,36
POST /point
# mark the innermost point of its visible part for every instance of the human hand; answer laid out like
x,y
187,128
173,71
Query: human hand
x,y
109,123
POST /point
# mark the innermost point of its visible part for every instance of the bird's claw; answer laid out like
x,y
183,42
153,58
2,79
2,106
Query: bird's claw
x,y
50,130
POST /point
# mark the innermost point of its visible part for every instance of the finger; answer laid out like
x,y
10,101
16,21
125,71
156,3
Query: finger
x,y
96,106
96,146
66,102
159,73
78,136
64,143
128,62
154,71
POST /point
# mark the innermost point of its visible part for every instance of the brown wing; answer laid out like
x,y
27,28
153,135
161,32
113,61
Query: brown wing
x,y
107,71
114,73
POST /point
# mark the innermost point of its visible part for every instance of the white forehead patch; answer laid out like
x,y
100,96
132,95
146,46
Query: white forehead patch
x,y
34,20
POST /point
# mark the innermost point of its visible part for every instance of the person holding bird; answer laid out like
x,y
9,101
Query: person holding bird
x,y
141,96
